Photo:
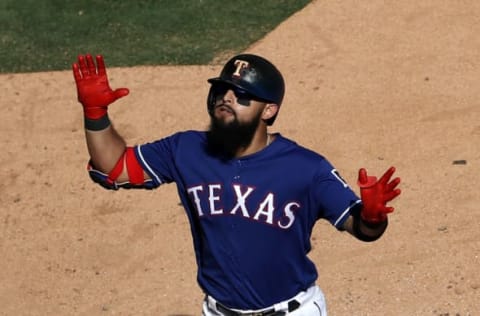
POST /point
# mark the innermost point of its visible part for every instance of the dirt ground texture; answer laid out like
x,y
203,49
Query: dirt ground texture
x,y
369,84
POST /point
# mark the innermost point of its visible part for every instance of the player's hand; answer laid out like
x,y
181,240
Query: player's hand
x,y
93,90
375,195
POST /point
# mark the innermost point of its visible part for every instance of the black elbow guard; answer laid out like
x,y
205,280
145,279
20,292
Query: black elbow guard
x,y
101,178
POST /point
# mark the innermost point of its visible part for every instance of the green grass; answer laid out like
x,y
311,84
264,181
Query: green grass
x,y
43,35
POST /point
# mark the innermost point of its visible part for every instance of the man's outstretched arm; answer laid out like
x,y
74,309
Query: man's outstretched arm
x,y
107,149
370,222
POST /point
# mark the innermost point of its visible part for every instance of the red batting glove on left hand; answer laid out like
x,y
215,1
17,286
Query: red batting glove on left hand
x,y
375,195
94,92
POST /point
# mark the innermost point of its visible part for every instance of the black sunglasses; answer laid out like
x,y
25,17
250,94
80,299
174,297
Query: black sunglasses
x,y
242,95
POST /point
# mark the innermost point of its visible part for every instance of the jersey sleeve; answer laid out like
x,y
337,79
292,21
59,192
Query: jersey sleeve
x,y
336,200
158,159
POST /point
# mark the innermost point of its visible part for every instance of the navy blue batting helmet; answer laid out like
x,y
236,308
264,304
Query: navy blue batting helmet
x,y
253,74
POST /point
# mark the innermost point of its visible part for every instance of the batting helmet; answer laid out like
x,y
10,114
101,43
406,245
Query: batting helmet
x,y
254,74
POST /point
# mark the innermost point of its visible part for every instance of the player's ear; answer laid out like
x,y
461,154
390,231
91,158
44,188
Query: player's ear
x,y
269,111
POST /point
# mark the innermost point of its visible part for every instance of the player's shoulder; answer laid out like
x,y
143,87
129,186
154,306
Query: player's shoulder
x,y
175,141
185,136
303,157
191,135
296,149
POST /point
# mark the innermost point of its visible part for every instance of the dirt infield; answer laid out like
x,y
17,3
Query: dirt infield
x,y
369,85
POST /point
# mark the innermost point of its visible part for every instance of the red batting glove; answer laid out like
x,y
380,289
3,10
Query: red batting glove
x,y
93,90
375,195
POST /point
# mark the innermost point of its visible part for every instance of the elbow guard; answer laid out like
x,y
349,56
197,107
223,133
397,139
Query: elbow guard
x,y
134,170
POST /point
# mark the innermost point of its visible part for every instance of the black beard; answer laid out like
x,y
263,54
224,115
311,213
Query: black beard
x,y
227,138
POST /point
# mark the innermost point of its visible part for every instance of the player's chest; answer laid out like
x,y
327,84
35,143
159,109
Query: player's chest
x,y
245,190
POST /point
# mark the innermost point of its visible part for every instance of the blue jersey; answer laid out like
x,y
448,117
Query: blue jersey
x,y
251,217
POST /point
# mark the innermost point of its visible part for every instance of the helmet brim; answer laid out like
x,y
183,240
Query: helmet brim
x,y
249,88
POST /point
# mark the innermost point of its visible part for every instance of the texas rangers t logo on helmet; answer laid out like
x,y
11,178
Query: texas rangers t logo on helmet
x,y
240,65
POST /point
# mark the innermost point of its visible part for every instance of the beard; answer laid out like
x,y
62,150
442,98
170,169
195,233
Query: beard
x,y
226,138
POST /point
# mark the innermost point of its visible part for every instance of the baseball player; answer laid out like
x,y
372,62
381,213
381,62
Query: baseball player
x,y
251,197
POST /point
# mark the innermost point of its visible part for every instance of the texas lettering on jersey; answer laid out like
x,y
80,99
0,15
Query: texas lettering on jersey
x,y
264,210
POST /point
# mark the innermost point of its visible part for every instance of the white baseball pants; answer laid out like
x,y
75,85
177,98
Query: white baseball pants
x,y
312,303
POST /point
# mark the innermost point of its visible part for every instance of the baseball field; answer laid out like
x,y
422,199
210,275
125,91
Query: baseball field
x,y
369,84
